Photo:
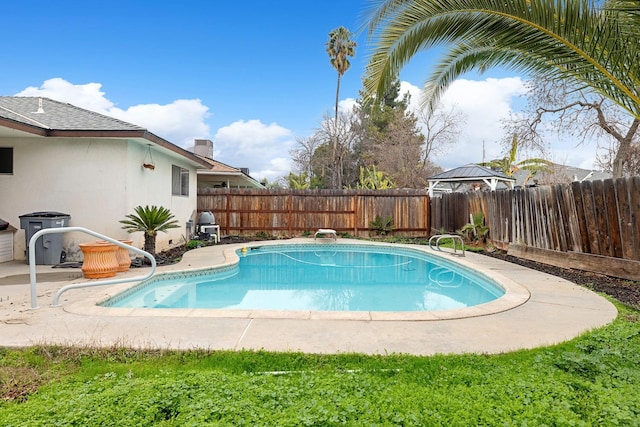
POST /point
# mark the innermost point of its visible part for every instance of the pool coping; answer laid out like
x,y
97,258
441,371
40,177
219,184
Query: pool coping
x,y
515,294
556,310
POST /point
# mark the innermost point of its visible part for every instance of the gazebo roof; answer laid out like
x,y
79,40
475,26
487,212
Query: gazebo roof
x,y
469,173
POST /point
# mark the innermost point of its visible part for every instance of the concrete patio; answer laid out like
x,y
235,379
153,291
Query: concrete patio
x,y
539,310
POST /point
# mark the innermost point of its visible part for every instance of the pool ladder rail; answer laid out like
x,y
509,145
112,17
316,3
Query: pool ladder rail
x,y
454,238
56,298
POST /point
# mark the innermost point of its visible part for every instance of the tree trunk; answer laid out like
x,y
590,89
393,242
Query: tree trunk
x,y
624,142
336,176
624,150
150,243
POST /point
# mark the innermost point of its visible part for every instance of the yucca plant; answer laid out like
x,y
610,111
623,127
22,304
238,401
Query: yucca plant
x,y
150,221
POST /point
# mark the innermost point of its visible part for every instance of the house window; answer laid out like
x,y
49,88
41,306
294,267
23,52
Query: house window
x,y
179,181
6,160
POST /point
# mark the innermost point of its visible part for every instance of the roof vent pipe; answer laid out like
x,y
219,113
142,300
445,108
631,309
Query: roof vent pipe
x,y
40,109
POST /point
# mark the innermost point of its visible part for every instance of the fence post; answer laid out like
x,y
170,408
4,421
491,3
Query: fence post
x,y
290,212
356,213
227,209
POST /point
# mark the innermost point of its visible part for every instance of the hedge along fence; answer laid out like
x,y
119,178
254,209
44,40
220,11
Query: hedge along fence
x,y
294,212
593,226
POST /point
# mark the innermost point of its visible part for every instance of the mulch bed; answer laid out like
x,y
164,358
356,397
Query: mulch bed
x,y
623,290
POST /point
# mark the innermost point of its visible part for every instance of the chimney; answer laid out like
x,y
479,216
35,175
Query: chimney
x,y
204,148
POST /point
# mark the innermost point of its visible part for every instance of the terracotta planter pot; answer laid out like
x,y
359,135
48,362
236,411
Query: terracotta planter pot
x,y
100,260
124,260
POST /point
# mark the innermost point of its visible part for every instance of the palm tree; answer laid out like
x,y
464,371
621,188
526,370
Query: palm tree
x,y
589,43
339,48
509,164
150,220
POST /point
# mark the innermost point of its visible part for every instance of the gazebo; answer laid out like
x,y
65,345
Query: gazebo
x,y
469,174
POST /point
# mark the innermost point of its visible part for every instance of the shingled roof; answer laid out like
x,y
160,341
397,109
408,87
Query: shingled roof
x,y
49,118
55,115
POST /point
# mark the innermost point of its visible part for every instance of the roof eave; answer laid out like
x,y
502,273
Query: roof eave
x,y
132,133
22,127
172,147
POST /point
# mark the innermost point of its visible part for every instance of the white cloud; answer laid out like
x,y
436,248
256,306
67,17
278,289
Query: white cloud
x,y
264,149
86,96
483,104
278,167
346,105
180,122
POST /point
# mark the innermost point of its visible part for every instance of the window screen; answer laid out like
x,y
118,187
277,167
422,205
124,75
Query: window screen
x,y
179,181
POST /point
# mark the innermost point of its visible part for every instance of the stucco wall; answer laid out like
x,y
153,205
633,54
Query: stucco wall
x,y
153,187
96,181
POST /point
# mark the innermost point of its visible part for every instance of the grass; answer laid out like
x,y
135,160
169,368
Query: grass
x,y
591,380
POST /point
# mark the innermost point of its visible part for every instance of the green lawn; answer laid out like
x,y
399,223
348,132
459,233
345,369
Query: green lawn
x,y
591,380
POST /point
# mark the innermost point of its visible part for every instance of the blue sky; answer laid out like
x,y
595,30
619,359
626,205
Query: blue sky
x,y
252,76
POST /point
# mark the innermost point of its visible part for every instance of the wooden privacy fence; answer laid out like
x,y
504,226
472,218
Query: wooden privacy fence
x,y
292,212
591,225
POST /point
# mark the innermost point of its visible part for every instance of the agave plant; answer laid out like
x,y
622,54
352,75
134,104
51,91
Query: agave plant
x,y
149,220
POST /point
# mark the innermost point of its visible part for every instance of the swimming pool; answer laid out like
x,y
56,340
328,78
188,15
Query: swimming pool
x,y
320,277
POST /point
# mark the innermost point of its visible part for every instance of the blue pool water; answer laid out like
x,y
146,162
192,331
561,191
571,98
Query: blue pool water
x,y
322,277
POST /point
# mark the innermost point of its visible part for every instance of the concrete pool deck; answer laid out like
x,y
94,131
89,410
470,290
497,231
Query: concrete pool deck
x,y
538,310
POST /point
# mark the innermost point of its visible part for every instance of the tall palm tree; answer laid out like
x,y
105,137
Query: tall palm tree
x,y
149,220
339,48
592,43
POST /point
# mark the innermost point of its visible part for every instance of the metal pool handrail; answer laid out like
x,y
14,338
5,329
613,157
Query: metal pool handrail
x,y
32,265
453,238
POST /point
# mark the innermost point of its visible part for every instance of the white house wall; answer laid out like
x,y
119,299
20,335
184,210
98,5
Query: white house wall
x,y
153,187
95,181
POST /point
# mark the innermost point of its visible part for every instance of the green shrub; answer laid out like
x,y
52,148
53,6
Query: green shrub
x,y
381,226
192,244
